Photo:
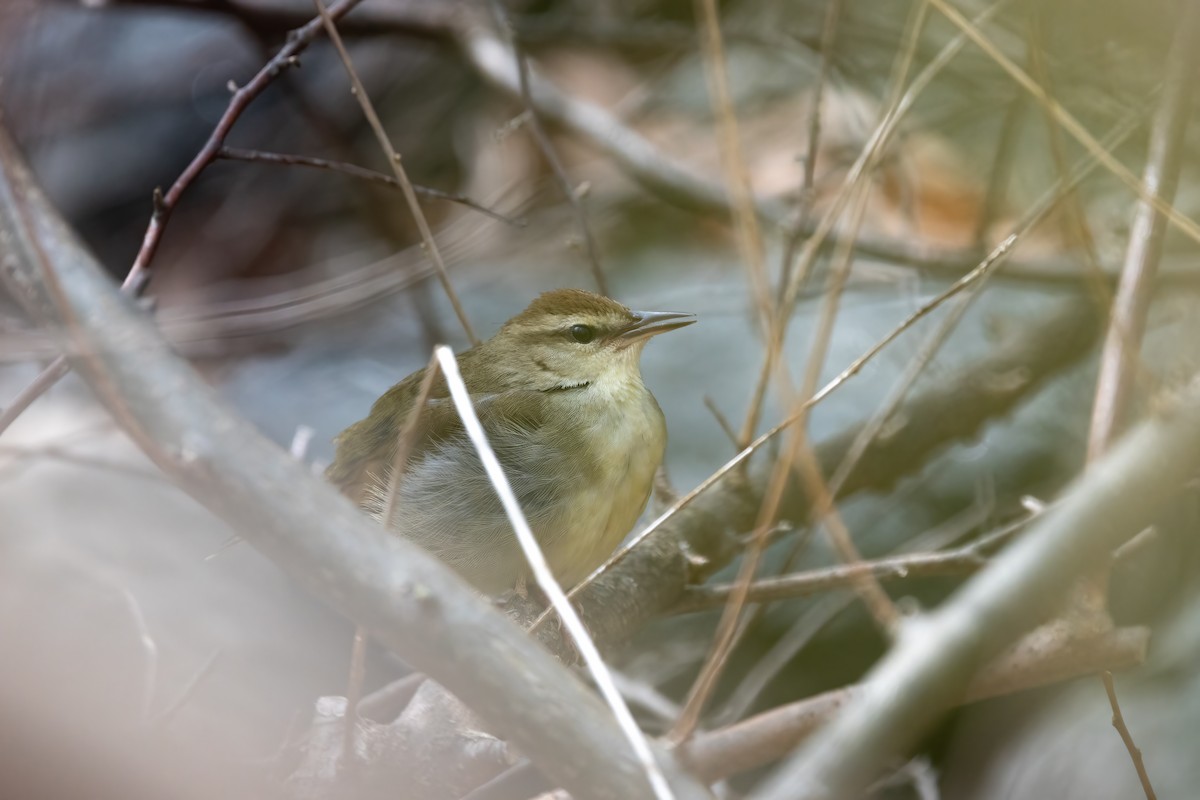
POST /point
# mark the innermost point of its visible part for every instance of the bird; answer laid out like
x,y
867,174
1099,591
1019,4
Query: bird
x,y
559,392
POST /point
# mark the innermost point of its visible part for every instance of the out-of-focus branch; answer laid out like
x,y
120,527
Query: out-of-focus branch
x,y
937,654
407,599
1047,656
1161,177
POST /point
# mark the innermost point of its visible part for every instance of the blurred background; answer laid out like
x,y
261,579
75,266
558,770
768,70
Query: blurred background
x,y
155,654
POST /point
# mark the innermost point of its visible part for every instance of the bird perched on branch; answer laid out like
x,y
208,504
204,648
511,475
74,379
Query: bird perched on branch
x,y
560,394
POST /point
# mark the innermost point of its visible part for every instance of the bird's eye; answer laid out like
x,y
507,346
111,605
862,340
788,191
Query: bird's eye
x,y
582,333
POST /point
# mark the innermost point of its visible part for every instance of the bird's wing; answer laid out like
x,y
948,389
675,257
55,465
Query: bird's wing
x,y
443,477
445,500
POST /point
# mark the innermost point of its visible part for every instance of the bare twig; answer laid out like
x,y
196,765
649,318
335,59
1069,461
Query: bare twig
x,y
362,173
545,578
542,138
165,202
1118,722
51,375
722,420
393,158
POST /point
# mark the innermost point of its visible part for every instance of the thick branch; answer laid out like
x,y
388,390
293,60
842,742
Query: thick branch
x,y
406,598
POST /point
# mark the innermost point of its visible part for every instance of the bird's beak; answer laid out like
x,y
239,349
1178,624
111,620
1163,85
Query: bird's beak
x,y
651,323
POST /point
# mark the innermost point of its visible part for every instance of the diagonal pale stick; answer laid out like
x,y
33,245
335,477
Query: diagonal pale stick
x,y
545,578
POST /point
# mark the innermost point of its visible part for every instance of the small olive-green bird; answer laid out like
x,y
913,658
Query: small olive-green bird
x,y
560,394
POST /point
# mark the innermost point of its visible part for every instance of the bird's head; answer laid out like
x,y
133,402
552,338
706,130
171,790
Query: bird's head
x,y
569,338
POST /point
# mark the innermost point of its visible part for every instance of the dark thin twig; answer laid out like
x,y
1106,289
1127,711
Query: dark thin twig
x,y
796,231
165,203
722,421
1118,722
410,196
534,120
355,171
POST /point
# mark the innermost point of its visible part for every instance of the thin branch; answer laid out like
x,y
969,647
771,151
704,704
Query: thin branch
x,y
393,158
51,375
548,152
1118,722
411,602
961,561
722,420
599,671
362,173
937,653
164,204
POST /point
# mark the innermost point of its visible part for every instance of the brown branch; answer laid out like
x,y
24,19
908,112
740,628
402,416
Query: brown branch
x,y
410,602
1045,657
165,203
362,173
1118,722
51,375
